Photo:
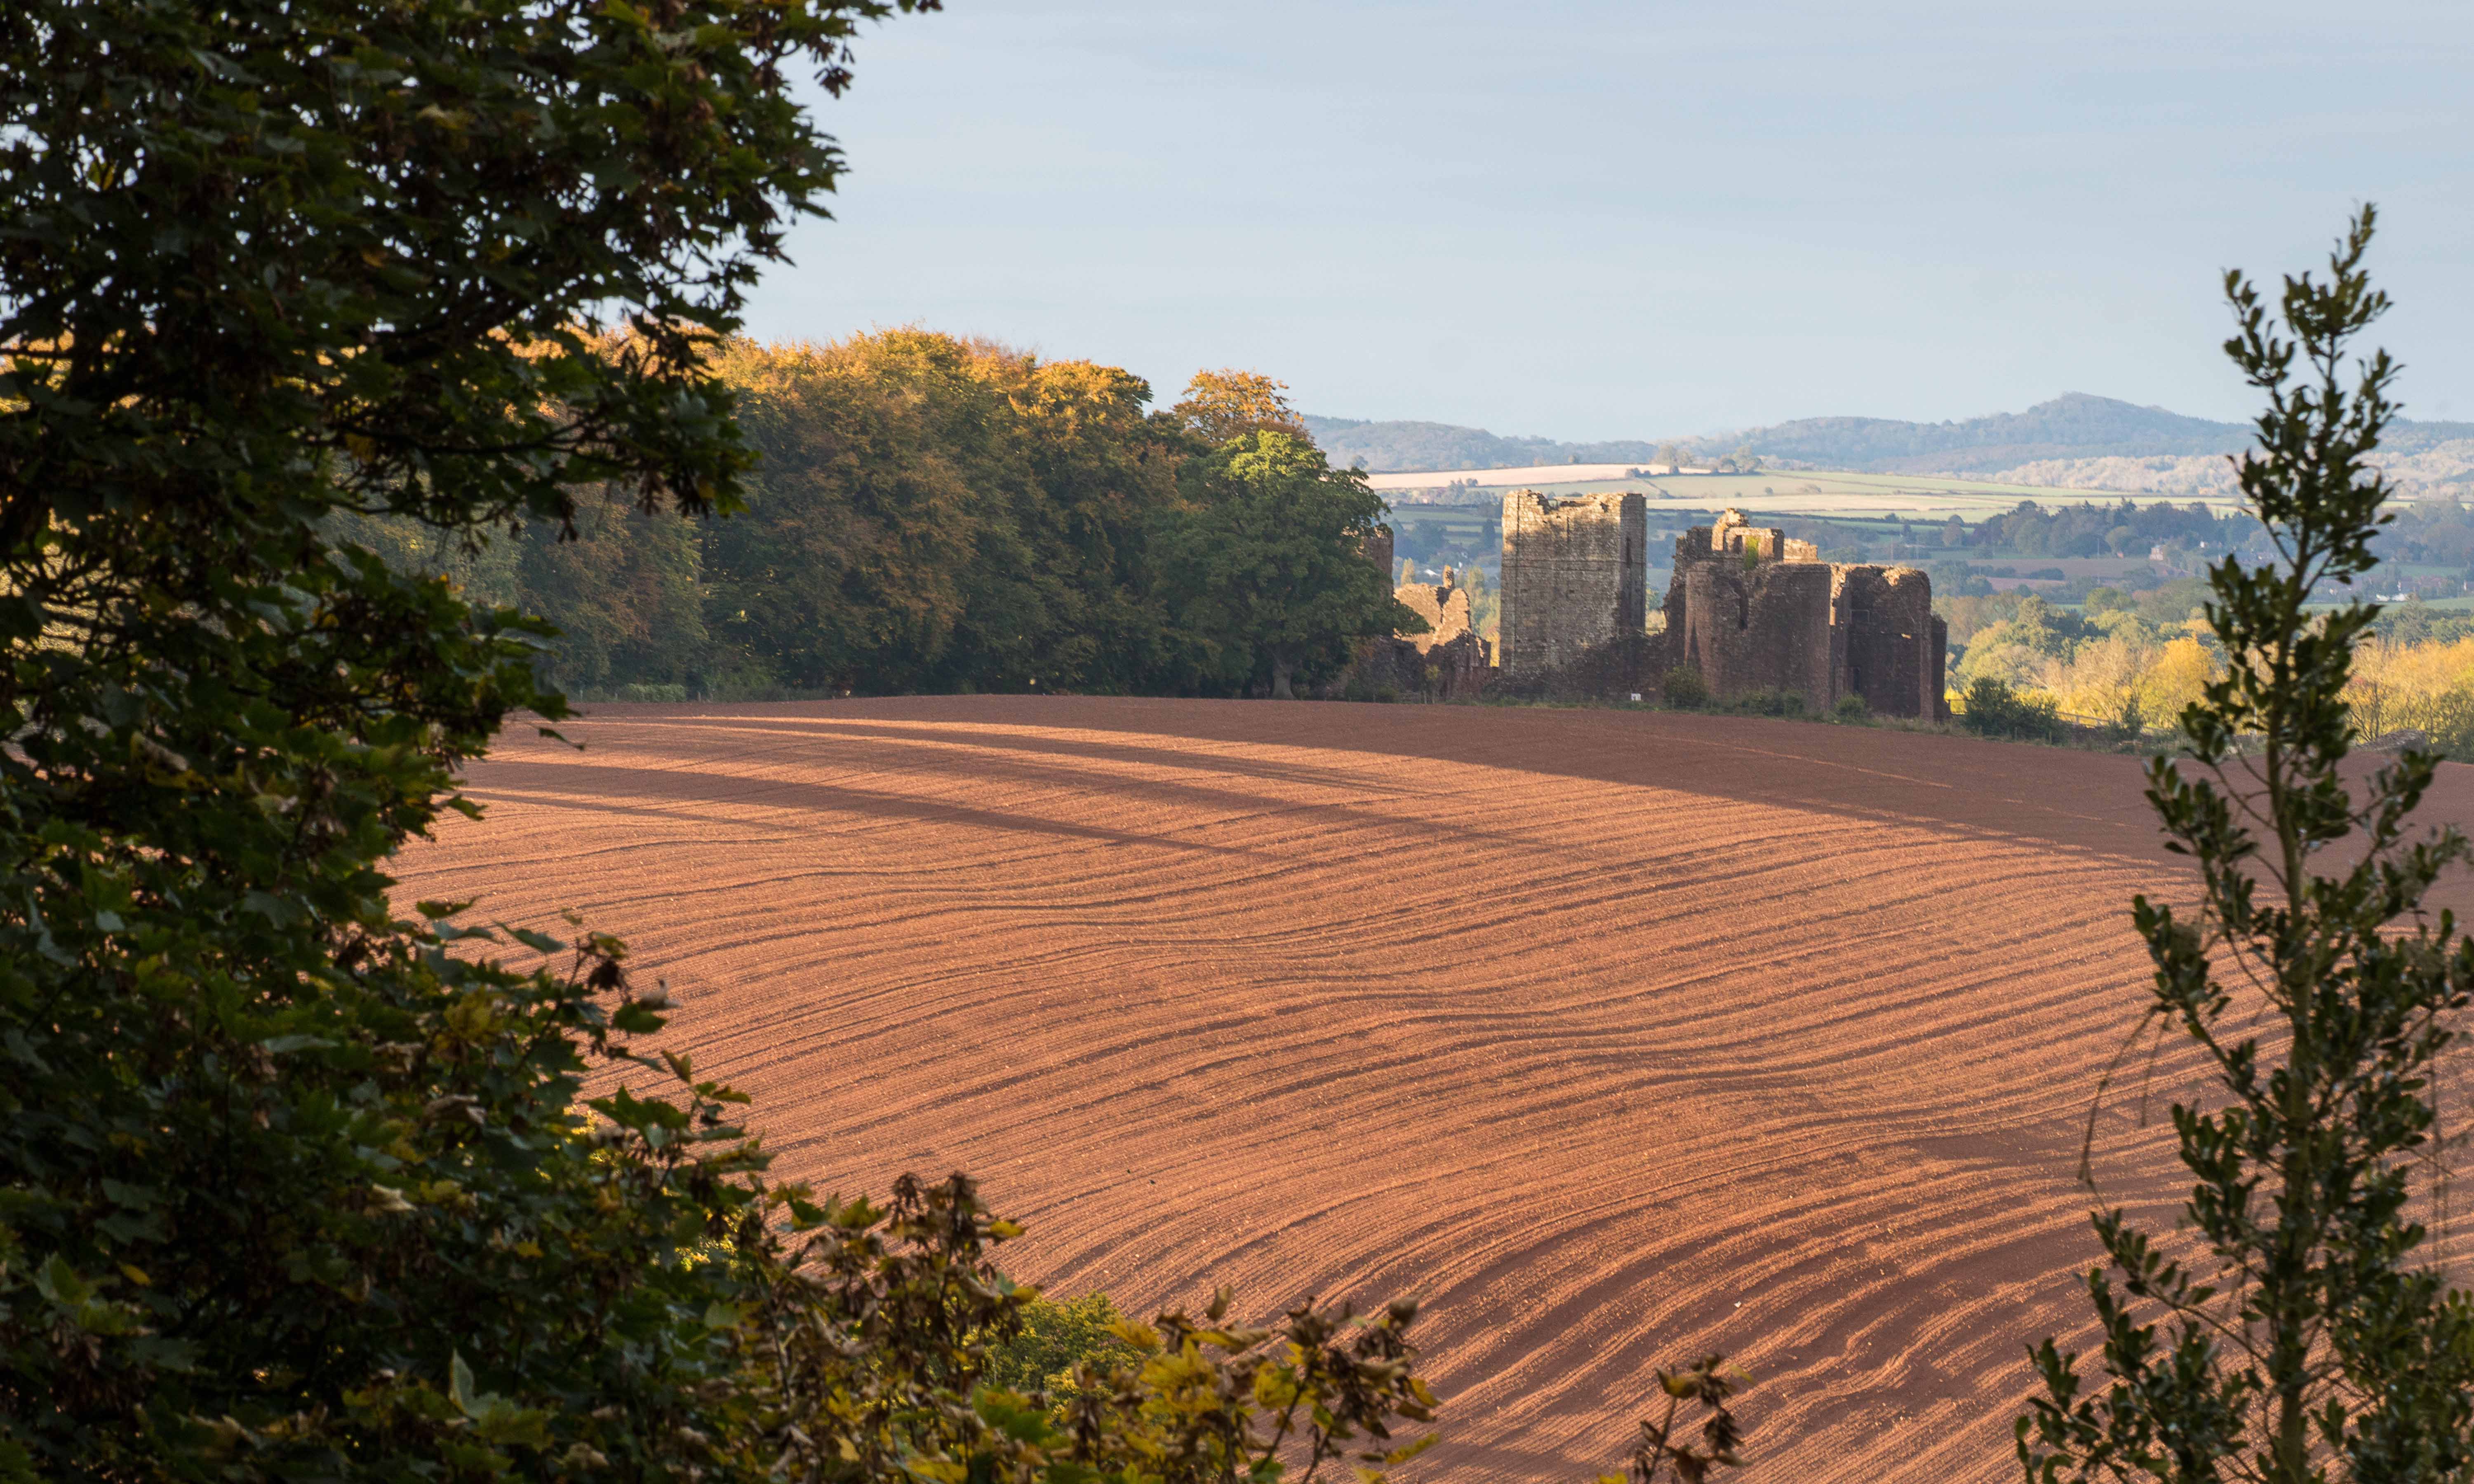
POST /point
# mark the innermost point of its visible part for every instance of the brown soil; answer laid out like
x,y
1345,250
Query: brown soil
x,y
1609,1036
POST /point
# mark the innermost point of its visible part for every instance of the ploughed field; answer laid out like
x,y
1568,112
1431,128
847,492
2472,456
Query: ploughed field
x,y
1611,1038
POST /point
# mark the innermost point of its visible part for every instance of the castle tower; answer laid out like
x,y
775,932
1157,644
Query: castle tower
x,y
1754,610
1378,550
1575,574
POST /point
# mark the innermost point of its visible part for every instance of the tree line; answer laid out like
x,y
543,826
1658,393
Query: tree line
x,y
929,514
2088,528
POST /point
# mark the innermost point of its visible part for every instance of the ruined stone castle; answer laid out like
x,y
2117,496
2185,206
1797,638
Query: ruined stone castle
x,y
1450,660
1748,609
1445,607
1575,575
1753,610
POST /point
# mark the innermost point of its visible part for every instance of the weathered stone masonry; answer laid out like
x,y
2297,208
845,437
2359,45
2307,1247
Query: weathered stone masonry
x,y
1445,607
1451,650
1575,575
1449,660
1752,611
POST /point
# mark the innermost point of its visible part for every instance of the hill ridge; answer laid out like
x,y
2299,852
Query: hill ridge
x,y
2073,425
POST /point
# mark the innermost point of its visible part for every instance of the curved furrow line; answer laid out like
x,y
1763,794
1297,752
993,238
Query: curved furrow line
x,y
1535,1090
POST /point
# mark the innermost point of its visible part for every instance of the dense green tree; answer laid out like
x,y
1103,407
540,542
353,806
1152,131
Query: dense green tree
x,y
2087,529
1096,471
850,568
932,513
623,588
1221,406
937,514
286,1188
2292,1334
1265,570
2043,628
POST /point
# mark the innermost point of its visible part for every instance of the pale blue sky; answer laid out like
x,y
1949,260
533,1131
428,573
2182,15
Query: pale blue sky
x,y
1580,219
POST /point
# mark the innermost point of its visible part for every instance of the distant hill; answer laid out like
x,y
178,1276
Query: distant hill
x,y
2072,426
1405,447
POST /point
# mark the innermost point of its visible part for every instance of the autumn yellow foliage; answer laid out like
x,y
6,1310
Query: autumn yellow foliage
x,y
2134,674
2424,687
2135,670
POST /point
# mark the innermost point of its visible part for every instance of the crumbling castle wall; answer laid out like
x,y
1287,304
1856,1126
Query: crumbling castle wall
x,y
1895,649
1445,607
1450,662
1752,611
1759,629
1451,659
1575,575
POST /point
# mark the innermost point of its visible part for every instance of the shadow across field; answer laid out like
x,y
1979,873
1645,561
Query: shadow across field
x,y
657,793
2080,801
2089,801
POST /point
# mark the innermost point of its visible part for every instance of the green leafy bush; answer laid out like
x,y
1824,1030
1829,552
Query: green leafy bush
x,y
881,1339
1661,1451
1991,709
1055,1337
1684,687
1205,1400
1763,703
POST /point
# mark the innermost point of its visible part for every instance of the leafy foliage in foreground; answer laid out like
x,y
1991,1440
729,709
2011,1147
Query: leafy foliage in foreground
x,y
2295,1336
1210,1400
289,1185
1664,1451
880,1350
1055,1336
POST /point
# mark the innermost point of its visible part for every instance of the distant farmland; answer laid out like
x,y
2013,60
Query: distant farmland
x,y
1784,492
